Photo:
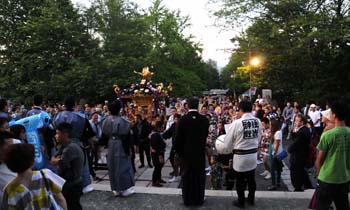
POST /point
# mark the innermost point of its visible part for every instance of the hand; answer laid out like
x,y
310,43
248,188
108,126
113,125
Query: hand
x,y
274,156
55,159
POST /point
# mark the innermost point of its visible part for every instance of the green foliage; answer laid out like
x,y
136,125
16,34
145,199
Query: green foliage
x,y
304,45
50,47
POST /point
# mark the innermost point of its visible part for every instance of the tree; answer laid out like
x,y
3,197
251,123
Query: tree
x,y
303,43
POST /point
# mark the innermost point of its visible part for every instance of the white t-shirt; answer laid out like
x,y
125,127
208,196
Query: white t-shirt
x,y
314,117
278,136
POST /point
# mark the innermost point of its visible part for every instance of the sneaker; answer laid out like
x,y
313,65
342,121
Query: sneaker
x,y
264,173
128,192
268,176
173,179
88,189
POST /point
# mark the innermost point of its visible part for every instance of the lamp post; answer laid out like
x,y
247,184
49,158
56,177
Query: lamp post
x,y
233,76
254,62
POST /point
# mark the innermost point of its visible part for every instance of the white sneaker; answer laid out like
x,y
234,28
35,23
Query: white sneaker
x,y
88,189
264,173
173,179
268,176
128,192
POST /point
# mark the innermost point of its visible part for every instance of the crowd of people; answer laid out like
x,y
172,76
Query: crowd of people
x,y
254,131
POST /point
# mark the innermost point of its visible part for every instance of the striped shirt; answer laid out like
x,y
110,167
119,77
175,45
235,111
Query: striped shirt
x,y
18,196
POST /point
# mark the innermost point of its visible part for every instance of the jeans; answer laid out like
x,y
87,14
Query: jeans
x,y
276,169
326,193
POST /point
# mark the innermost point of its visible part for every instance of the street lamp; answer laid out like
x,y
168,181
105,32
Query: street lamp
x,y
233,76
254,62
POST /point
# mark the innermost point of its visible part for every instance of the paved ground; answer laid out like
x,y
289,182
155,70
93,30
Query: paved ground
x,y
143,176
169,197
104,200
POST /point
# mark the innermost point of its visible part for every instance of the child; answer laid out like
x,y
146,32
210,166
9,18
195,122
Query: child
x,y
157,153
215,172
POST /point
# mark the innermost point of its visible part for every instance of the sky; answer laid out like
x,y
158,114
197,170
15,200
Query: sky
x,y
215,42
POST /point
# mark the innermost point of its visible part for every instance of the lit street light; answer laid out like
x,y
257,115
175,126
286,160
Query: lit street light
x,y
254,62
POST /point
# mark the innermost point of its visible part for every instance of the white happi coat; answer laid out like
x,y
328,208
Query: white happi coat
x,y
244,134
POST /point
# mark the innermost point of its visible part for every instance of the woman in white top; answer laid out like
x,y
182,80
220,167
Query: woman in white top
x,y
276,148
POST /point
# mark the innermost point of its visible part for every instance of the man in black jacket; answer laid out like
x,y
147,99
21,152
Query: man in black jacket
x,y
190,144
299,150
144,129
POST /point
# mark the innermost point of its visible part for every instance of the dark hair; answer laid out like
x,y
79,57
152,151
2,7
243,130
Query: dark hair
x,y
65,128
17,129
3,121
69,102
275,126
4,135
3,103
138,116
339,109
215,157
309,120
158,125
245,106
302,117
193,103
114,107
38,100
177,116
265,120
19,157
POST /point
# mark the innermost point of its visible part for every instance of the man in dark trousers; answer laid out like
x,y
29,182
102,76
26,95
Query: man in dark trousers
x,y
299,150
69,160
190,144
243,138
144,129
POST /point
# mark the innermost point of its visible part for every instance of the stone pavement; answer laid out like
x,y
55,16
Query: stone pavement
x,y
143,176
169,196
170,199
